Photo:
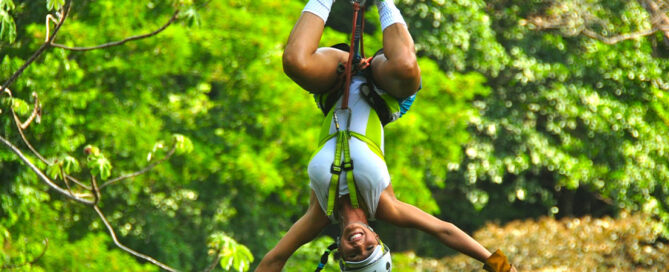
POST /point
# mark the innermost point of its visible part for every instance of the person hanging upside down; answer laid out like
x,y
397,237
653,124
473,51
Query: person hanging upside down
x,y
348,175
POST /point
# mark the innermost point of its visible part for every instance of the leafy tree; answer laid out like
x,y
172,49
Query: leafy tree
x,y
528,108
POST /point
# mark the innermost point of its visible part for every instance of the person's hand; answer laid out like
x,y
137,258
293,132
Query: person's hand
x,y
497,262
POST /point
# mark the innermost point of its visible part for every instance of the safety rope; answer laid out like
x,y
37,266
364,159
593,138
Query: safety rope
x,y
356,51
342,160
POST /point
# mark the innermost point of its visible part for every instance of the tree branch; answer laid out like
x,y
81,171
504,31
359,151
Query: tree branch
x,y
20,128
110,44
124,248
214,263
657,14
35,115
78,182
41,175
140,172
96,191
619,38
543,24
94,188
65,11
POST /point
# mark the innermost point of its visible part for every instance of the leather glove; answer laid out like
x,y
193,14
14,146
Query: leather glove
x,y
497,262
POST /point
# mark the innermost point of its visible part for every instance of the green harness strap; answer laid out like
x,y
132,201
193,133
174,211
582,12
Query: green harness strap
x,y
342,149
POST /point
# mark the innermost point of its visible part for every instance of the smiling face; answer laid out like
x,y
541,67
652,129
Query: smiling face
x,y
357,242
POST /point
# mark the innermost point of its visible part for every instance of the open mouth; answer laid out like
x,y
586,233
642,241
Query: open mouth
x,y
355,236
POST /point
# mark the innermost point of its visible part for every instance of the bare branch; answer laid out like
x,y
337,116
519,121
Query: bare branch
x,y
96,191
658,15
35,115
543,24
49,18
65,11
110,44
124,248
140,172
72,179
67,184
33,261
581,22
214,263
41,175
618,38
17,121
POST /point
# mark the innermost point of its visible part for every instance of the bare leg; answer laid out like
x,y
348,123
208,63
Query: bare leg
x,y
313,68
396,71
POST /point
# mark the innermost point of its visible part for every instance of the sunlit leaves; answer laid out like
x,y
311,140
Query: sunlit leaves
x,y
7,25
182,143
456,33
64,165
54,4
234,256
20,106
192,16
308,255
98,164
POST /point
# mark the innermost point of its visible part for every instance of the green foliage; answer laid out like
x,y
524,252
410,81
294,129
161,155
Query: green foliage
x,y
97,162
20,106
7,25
183,144
512,120
309,255
92,253
54,4
234,256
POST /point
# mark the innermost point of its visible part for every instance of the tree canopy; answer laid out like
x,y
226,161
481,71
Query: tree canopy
x,y
528,109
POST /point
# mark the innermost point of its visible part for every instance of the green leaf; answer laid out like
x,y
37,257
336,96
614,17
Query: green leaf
x,y
192,17
7,25
70,164
97,162
54,170
54,4
183,144
20,106
6,5
234,256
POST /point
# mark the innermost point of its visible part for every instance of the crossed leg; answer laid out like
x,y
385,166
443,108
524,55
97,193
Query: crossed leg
x,y
314,69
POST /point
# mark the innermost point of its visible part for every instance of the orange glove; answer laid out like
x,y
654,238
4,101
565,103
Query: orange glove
x,y
497,262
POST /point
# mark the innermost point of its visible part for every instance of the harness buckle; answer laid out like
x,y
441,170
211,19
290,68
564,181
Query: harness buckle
x,y
348,166
335,169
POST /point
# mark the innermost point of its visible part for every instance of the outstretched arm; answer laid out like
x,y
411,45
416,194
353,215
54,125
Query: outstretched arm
x,y
303,231
402,214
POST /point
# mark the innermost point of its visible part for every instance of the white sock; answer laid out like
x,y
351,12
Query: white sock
x,y
389,13
319,7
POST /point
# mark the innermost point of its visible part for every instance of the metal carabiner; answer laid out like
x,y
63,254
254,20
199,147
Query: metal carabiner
x,y
336,118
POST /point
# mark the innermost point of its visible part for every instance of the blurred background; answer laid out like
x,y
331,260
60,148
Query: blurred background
x,y
541,129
